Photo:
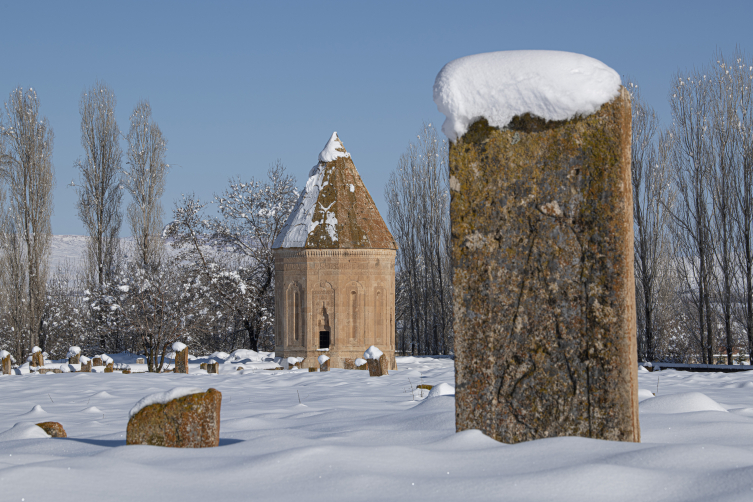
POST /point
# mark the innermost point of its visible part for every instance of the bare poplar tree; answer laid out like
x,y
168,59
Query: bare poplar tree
x,y
741,116
26,141
652,197
418,213
145,181
99,194
723,97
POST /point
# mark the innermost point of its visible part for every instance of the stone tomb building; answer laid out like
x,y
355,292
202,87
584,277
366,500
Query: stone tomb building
x,y
334,269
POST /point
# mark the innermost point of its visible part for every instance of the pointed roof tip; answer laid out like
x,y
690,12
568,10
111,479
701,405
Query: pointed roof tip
x,y
333,149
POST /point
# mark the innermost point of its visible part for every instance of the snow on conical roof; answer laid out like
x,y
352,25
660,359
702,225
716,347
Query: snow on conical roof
x,y
335,210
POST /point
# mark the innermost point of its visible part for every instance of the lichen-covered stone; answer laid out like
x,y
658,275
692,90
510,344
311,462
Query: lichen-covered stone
x,y
86,366
542,243
97,361
313,370
203,366
191,421
378,367
109,368
213,367
181,361
54,429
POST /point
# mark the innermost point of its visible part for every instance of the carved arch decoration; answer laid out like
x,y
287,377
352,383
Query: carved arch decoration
x,y
354,302
323,308
294,320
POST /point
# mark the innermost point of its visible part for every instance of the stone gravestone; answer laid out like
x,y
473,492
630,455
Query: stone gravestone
x,y
181,357
179,418
37,358
5,357
140,360
376,360
97,361
54,429
323,363
74,355
86,364
109,368
542,246
213,367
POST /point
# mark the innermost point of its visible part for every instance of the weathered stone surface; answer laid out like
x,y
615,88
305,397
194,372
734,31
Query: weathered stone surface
x,y
324,366
140,360
54,429
126,371
378,367
37,359
7,367
203,366
76,359
109,368
213,367
86,366
542,242
191,421
97,361
363,367
313,370
181,361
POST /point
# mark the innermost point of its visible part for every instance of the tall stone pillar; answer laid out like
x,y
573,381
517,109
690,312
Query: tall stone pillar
x,y
181,360
542,242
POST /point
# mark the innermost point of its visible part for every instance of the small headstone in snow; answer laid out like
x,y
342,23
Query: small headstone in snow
x,y
323,363
109,368
376,360
74,355
213,367
54,429
181,357
361,364
86,364
37,359
97,361
140,360
6,362
544,290
180,418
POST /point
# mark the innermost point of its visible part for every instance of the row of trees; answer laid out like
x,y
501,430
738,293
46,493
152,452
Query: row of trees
x,y
213,290
693,210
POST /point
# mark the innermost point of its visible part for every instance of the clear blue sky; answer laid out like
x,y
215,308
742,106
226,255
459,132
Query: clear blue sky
x,y
237,85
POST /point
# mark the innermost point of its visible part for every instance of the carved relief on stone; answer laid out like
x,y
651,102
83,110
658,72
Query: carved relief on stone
x,y
380,320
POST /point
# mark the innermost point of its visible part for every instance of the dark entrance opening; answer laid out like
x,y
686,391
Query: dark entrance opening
x,y
324,339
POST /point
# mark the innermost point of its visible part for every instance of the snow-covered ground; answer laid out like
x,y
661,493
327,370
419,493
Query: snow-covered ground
x,y
353,437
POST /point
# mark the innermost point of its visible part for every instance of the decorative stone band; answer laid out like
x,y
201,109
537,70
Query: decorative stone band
x,y
287,253
542,242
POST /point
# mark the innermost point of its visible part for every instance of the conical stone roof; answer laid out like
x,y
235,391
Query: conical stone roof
x,y
335,210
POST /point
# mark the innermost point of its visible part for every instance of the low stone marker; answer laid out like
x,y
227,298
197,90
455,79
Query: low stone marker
x,y
54,429
97,361
109,368
74,355
313,370
323,363
86,364
542,246
377,361
37,358
140,360
213,367
361,364
6,359
179,418
203,366
181,357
